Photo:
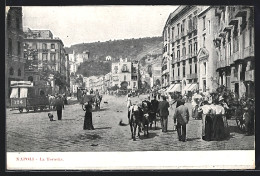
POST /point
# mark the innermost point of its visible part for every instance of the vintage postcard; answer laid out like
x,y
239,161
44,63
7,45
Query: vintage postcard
x,y
130,87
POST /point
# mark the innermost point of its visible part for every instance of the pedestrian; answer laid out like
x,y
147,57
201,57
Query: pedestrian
x,y
88,124
181,117
206,120
249,119
225,106
218,132
155,104
164,112
59,106
129,104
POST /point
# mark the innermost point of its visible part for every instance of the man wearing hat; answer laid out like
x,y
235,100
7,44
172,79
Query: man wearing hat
x,y
181,115
164,112
249,117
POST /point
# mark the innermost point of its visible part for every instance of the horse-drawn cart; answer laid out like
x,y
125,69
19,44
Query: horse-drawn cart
x,y
25,96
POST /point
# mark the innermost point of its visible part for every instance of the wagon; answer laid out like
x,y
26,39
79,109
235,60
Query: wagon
x,y
24,96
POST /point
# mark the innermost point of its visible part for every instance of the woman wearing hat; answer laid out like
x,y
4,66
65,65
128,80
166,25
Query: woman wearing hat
x,y
225,106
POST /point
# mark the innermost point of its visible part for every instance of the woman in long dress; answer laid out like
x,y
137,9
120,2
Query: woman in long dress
x,y
206,120
88,124
218,130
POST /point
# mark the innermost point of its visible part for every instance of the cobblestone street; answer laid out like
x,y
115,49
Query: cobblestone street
x,y
33,132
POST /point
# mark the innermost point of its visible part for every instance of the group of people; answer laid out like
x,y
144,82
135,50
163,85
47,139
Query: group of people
x,y
181,116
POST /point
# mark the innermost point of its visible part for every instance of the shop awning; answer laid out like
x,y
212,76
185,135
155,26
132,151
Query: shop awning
x,y
170,87
186,87
192,87
176,87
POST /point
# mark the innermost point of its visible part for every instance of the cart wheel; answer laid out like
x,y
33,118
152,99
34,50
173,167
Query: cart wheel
x,y
27,109
20,110
240,123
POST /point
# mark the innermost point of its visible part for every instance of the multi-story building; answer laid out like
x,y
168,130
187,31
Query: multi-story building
x,y
72,62
234,42
121,73
179,63
207,62
14,58
134,75
44,53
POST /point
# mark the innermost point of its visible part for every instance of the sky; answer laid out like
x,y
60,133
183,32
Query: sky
x,y
85,24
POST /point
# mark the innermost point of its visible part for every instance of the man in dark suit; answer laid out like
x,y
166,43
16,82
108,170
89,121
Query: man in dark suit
x,y
59,106
164,112
182,116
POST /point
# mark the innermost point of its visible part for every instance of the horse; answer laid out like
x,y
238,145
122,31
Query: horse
x,y
135,120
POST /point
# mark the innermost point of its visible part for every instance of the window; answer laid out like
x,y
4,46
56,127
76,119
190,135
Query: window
x,y
183,70
190,47
178,54
195,67
183,25
19,72
205,67
195,47
178,71
124,77
124,67
204,40
209,26
10,47
173,73
52,46
178,26
11,71
17,23
190,69
34,46
44,46
18,48
204,85
53,58
173,33
44,57
183,51
195,22
204,23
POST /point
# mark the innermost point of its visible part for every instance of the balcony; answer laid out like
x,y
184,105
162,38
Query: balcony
x,y
248,52
182,34
250,75
53,50
192,76
177,37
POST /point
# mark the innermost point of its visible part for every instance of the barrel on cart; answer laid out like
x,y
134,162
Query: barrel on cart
x,y
25,96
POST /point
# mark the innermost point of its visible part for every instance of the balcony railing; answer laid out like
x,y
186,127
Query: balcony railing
x,y
250,75
177,78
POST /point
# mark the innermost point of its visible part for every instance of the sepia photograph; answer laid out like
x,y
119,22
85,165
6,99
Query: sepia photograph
x,y
103,87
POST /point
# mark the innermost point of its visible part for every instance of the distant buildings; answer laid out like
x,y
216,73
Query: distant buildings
x,y
125,73
76,59
209,46
14,58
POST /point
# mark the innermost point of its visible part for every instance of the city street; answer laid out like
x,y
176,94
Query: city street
x,y
34,132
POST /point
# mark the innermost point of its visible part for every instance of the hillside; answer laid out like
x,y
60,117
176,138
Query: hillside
x,y
134,49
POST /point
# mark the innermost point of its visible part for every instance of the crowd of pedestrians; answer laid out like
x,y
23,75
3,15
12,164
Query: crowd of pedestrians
x,y
211,110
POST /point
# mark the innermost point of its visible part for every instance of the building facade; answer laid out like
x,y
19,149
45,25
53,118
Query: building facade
x,y
14,58
44,53
179,63
207,55
234,42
